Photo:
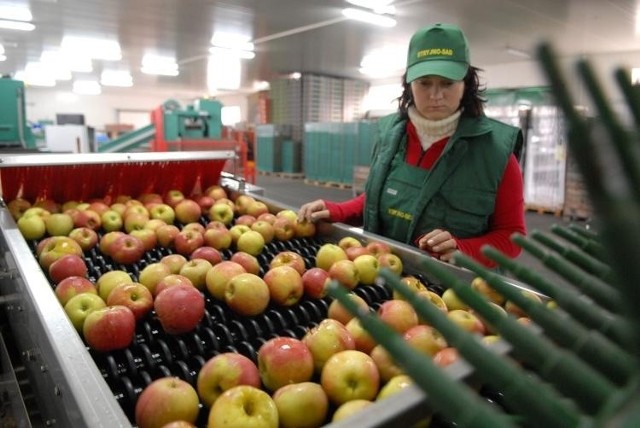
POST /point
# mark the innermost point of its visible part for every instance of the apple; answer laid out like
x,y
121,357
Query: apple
x,y
98,206
328,254
209,254
425,339
346,410
515,310
394,385
179,308
265,229
314,281
32,227
126,250
218,238
363,340
162,212
167,235
338,312
350,375
392,262
346,273
134,296
268,217
223,372
152,274
287,213
219,275
109,328
245,219
147,236
354,252
154,224
247,261
242,203
166,400
105,242
290,258
466,321
221,212
187,211
195,226
237,230
325,339
283,361
257,208
304,229
85,218
110,280
378,247
398,314
414,284
66,266
285,285
451,299
80,305
284,229
58,224
111,220
301,405
118,207
246,294
174,261
36,210
150,198
387,367
251,242
349,242
196,270
446,357
71,286
205,203
135,207
134,221
368,268
216,192
489,329
187,241
434,298
243,406
55,248
170,281
87,238
48,205
173,197
17,207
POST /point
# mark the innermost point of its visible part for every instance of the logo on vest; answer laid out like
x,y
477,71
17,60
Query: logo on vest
x,y
393,192
400,214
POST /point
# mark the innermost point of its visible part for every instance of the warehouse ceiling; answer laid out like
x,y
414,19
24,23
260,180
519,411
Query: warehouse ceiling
x,y
310,35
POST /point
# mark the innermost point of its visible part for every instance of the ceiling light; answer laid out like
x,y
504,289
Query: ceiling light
x,y
369,17
105,49
1,49
36,76
232,41
16,25
159,65
87,87
635,76
15,13
378,6
518,52
214,50
119,78
261,85
223,72
3,58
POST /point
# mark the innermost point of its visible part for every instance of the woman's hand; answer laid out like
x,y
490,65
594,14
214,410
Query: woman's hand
x,y
439,243
313,211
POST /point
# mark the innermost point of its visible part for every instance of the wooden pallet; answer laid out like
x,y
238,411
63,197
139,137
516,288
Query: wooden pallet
x,y
333,184
544,210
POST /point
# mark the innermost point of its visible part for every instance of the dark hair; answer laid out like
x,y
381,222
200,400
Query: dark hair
x,y
472,102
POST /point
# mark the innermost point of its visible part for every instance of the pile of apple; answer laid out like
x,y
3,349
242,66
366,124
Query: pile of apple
x,y
333,371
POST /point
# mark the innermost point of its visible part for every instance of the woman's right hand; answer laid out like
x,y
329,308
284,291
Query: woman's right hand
x,y
313,211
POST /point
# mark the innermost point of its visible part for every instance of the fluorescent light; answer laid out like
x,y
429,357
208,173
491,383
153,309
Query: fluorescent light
x,y
16,25
3,58
232,41
87,87
635,76
119,78
214,50
35,75
159,65
518,52
15,13
369,17
1,49
104,49
378,6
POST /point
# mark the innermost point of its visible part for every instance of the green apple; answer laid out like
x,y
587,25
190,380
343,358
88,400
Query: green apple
x,y
166,400
55,248
196,270
251,242
328,254
162,212
59,224
391,261
244,406
466,321
301,405
223,372
153,273
246,294
394,385
452,300
111,220
414,284
81,305
325,339
221,212
350,375
350,408
219,275
32,227
110,280
368,268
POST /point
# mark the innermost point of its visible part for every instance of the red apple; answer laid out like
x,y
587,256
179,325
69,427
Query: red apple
x,y
218,238
205,202
57,247
173,197
346,273
378,247
257,208
285,285
66,266
223,372
85,237
247,294
219,275
247,261
17,207
446,357
387,367
174,261
179,308
166,400
209,254
110,328
338,312
314,282
167,235
363,340
98,206
245,219
392,262
71,286
147,236
283,361
134,296
284,229
106,240
187,211
170,281
126,250
85,218
187,241
398,314
268,217
195,226
425,339
150,198
354,252
290,258
216,192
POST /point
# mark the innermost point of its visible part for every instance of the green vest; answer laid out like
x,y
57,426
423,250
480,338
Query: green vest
x,y
457,194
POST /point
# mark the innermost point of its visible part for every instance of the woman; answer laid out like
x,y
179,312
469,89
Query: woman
x,y
443,176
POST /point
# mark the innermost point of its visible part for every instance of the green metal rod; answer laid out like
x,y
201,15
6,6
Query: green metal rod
x,y
580,307
564,370
631,94
454,400
590,246
606,296
596,349
525,394
578,257
587,234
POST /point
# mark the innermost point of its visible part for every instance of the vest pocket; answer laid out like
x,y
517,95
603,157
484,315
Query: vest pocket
x,y
467,212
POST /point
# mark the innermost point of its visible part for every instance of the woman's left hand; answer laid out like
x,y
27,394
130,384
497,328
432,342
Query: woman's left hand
x,y
440,243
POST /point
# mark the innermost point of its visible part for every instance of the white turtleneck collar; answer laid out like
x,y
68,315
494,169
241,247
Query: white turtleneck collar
x,y
430,131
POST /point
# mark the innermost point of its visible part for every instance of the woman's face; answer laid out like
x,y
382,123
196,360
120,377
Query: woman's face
x,y
436,97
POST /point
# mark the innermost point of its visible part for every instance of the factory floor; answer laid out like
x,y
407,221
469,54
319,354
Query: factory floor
x,y
296,191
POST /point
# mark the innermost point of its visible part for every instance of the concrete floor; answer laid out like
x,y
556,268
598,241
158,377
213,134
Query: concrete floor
x,y
295,191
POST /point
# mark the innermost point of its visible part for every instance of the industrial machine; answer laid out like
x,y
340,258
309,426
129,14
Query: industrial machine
x,y
14,131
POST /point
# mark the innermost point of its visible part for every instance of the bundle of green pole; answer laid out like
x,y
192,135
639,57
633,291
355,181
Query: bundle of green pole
x,y
578,365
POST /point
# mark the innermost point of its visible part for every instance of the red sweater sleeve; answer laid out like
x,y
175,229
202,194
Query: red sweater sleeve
x,y
349,212
508,218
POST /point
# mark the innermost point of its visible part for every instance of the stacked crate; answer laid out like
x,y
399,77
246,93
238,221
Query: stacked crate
x,y
269,140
